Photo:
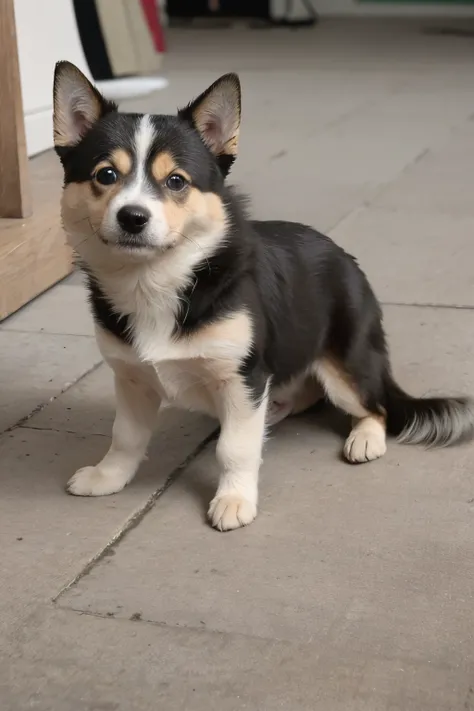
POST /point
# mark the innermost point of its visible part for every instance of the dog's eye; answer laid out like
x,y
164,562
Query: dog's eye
x,y
176,183
106,176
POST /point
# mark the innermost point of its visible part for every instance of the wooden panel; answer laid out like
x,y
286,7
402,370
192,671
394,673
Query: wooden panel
x,y
33,251
14,184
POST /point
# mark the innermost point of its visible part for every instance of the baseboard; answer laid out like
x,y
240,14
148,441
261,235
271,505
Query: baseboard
x,y
39,132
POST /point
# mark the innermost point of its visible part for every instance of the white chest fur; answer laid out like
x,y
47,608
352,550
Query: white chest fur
x,y
185,366
187,371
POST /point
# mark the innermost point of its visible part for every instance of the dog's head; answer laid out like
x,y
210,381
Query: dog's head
x,y
142,184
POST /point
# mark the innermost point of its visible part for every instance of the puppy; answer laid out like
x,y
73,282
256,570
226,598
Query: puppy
x,y
197,305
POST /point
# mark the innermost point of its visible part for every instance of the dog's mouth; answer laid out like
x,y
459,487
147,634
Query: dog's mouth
x,y
135,244
129,243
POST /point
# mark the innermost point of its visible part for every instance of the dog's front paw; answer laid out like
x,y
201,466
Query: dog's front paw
x,y
231,511
90,481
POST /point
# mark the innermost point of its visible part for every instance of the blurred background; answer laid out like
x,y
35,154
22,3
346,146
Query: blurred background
x,y
338,96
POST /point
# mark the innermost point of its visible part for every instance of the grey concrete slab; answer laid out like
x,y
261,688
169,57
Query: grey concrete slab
x,y
76,278
401,684
375,143
373,560
376,560
36,367
63,310
89,409
49,536
432,352
412,257
144,667
441,181
317,202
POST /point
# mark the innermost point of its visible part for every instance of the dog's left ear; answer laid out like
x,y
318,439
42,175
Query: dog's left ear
x,y
77,105
215,114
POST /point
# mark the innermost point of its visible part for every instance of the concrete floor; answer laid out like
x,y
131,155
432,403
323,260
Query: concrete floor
x,y
354,589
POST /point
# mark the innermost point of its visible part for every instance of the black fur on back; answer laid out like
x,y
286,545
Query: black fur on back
x,y
308,299
306,296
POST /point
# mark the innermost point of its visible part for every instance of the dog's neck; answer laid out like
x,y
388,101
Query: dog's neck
x,y
152,293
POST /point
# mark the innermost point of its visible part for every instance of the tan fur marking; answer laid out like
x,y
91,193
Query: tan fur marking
x,y
82,210
214,207
164,165
122,160
102,164
339,387
235,330
197,207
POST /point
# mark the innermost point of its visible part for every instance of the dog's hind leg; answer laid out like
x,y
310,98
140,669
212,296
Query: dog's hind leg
x,y
367,439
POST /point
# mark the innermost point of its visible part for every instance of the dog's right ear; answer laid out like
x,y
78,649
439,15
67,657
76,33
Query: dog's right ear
x,y
77,105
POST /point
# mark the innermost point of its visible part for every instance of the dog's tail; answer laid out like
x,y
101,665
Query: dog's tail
x,y
432,421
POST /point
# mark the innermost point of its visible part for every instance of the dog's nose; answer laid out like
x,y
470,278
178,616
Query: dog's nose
x,y
133,218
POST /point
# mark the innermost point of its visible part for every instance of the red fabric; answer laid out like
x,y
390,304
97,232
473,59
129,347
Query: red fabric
x,y
152,17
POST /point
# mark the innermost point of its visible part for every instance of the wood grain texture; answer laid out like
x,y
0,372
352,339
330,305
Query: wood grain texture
x,y
15,200
33,251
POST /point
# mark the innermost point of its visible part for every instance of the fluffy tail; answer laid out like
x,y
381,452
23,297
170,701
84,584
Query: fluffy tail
x,y
432,421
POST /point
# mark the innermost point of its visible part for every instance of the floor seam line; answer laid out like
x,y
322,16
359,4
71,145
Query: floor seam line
x,y
136,518
72,432
425,305
43,332
39,408
167,626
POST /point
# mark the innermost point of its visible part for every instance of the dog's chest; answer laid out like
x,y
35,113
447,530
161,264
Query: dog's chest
x,y
190,369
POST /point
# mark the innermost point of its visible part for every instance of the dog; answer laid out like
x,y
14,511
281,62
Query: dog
x,y
197,305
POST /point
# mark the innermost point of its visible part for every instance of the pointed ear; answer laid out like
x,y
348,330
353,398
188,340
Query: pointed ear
x,y
77,105
216,116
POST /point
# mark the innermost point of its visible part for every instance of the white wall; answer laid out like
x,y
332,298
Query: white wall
x,y
46,33
355,8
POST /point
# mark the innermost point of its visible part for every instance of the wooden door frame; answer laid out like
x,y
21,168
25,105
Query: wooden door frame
x,y
33,250
15,194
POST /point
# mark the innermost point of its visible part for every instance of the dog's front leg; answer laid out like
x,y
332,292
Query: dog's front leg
x,y
137,405
239,453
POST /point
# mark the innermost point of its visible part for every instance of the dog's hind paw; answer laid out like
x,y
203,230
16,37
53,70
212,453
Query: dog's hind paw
x,y
366,441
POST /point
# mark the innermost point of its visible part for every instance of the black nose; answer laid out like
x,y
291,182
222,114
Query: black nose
x,y
133,218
